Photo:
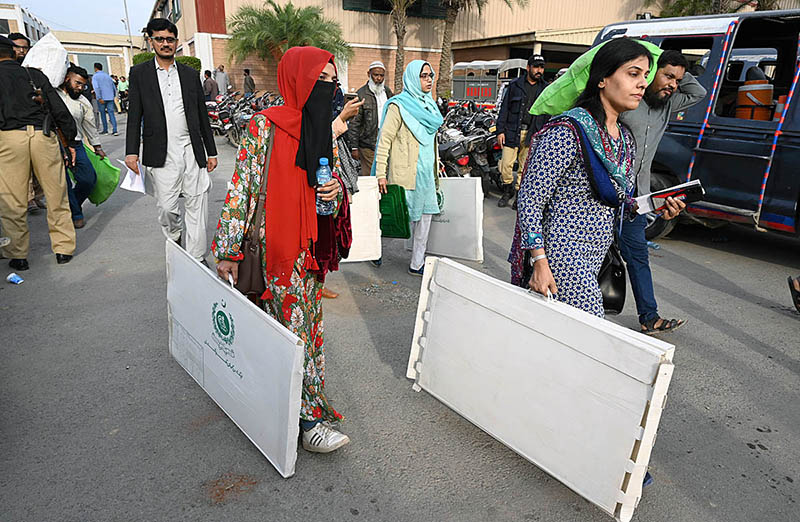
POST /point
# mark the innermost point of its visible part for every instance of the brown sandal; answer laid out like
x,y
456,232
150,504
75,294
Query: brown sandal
x,y
667,325
795,293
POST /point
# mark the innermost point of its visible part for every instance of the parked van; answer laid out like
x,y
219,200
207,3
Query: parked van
x,y
745,178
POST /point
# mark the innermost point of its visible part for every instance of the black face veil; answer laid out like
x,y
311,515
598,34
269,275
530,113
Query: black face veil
x,y
316,137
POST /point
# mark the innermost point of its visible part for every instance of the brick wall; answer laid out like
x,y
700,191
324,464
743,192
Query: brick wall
x,y
357,68
265,72
117,66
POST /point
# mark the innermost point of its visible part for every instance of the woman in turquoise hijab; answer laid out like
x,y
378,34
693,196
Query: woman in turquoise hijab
x,y
407,155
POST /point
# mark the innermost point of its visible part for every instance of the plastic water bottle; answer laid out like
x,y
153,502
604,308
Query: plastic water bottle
x,y
324,175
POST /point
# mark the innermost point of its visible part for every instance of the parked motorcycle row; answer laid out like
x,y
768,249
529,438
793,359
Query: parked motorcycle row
x,y
468,145
230,113
467,142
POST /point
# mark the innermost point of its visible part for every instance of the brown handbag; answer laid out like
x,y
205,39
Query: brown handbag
x,y
251,275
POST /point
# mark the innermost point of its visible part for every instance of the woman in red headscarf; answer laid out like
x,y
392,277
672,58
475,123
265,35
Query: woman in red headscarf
x,y
299,246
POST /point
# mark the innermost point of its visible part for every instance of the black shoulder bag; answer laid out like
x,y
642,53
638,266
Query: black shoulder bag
x,y
611,277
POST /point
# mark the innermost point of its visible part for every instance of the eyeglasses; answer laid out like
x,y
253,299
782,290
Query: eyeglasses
x,y
22,46
162,39
426,76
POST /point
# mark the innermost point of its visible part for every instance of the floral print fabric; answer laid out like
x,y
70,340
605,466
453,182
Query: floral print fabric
x,y
298,306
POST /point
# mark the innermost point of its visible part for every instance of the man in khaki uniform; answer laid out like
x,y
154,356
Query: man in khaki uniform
x,y
516,126
23,145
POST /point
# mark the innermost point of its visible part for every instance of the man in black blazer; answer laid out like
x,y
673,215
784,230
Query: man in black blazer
x,y
166,100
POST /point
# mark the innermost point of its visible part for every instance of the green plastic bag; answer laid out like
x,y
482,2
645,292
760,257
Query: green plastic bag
x,y
107,176
394,213
562,94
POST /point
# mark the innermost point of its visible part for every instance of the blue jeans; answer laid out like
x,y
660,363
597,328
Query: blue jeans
x,y
633,247
309,425
85,179
107,106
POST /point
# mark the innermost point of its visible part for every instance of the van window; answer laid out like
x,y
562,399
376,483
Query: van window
x,y
696,50
759,70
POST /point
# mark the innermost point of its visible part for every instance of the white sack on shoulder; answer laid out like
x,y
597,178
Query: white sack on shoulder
x,y
50,57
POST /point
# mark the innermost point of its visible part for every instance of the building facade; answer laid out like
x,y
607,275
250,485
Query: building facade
x,y
114,51
559,29
17,19
366,24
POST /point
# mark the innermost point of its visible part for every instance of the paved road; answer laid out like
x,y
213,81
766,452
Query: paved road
x,y
97,422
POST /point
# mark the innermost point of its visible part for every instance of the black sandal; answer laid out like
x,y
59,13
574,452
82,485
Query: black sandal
x,y
795,293
667,325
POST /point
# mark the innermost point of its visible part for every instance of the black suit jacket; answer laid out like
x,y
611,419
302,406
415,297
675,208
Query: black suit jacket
x,y
146,105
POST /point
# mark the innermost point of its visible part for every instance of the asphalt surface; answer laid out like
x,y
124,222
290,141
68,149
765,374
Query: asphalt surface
x,y
98,422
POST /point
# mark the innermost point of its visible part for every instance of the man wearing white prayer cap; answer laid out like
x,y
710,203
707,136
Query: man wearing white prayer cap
x,y
363,132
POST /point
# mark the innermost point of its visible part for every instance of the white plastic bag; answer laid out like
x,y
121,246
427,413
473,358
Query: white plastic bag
x,y
50,57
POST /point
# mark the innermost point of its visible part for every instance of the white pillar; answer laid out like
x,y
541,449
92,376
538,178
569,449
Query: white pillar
x,y
204,51
341,70
537,48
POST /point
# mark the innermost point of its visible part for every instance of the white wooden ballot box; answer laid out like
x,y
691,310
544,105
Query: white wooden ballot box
x,y
578,396
244,359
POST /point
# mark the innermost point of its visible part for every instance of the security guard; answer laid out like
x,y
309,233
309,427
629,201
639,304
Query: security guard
x,y
516,126
26,98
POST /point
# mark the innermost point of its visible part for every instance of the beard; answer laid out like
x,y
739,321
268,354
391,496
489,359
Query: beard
x,y
535,77
74,94
654,100
376,88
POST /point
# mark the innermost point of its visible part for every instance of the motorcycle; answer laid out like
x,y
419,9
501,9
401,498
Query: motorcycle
x,y
469,146
240,113
453,153
219,114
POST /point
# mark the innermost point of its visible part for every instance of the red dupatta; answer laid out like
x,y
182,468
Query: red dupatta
x,y
290,212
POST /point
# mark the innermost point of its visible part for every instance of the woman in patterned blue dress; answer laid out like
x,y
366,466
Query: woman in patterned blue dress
x,y
566,208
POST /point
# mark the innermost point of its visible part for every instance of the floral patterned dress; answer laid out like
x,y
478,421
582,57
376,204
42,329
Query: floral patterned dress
x,y
297,306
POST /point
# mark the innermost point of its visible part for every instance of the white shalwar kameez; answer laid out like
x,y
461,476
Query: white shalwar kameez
x,y
180,174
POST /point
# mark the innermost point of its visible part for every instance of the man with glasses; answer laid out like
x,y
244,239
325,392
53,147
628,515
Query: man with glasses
x,y
83,173
35,193
106,91
26,97
21,45
166,104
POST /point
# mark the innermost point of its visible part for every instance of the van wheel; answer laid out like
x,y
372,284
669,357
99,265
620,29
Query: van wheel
x,y
657,227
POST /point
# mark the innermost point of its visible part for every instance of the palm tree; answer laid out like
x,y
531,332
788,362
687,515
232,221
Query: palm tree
x,y
767,5
271,30
399,21
704,7
453,7
670,8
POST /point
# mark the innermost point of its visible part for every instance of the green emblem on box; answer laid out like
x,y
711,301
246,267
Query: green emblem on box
x,y
223,323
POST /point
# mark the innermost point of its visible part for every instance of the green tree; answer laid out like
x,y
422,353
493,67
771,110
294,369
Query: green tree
x,y
704,7
142,57
444,86
191,61
272,29
400,24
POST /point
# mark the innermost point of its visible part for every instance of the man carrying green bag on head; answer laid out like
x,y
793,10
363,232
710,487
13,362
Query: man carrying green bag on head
x,y
93,177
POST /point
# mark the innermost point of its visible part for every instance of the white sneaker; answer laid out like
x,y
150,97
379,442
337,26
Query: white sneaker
x,y
323,439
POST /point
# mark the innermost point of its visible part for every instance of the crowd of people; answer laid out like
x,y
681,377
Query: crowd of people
x,y
93,100
579,173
